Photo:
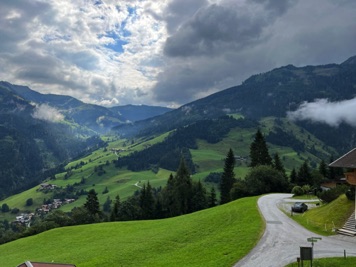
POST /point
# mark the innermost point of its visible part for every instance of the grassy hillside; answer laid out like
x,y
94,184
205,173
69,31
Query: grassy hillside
x,y
214,237
329,216
84,173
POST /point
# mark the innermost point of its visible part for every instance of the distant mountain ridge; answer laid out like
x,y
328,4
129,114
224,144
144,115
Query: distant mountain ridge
x,y
95,117
31,144
273,93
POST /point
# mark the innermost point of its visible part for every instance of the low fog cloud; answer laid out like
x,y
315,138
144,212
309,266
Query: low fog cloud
x,y
324,111
47,113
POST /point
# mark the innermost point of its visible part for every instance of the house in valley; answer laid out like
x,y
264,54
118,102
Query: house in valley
x,y
348,161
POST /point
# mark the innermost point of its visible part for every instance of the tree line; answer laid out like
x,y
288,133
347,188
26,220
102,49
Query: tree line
x,y
181,195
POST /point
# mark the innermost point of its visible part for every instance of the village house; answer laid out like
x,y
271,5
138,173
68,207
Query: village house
x,y
24,218
46,186
348,161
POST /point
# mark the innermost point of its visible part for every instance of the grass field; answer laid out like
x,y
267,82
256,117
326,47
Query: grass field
x,y
214,237
329,216
207,158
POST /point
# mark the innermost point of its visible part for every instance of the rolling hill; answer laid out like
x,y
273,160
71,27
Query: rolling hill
x,y
215,237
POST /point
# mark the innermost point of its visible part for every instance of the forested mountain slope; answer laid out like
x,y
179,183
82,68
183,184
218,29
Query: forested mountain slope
x,y
269,94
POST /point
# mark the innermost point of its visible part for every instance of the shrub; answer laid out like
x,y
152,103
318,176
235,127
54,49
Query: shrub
x,y
297,190
350,193
29,202
15,211
306,188
332,194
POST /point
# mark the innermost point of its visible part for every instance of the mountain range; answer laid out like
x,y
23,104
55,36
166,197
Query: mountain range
x,y
39,132
272,94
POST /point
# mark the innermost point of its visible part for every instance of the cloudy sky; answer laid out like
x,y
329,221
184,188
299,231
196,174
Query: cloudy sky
x,y
166,52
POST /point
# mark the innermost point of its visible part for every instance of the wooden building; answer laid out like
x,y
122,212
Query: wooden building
x,y
347,161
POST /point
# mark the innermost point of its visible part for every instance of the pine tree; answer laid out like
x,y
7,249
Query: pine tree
x,y
293,176
323,170
259,151
199,199
107,205
278,165
304,175
212,198
147,202
92,203
183,189
115,216
227,178
168,197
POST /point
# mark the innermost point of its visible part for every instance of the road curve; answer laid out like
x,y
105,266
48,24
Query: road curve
x,y
283,237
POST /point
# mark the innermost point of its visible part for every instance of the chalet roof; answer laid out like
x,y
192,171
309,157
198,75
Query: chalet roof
x,y
346,161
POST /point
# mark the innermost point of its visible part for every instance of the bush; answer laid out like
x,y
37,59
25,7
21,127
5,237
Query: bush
x,y
297,190
306,188
5,208
29,202
265,179
15,211
350,193
332,194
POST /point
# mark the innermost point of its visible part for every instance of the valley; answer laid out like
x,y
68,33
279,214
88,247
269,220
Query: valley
x,y
94,151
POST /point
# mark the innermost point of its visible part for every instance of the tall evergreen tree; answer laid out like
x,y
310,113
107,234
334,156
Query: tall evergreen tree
x,y
277,164
183,189
293,176
227,178
107,204
323,170
114,216
147,202
259,151
304,175
199,198
168,197
212,198
92,203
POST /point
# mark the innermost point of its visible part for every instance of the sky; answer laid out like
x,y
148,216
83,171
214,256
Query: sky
x,y
166,52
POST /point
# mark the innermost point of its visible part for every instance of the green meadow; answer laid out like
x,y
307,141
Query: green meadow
x,y
325,219
207,158
214,237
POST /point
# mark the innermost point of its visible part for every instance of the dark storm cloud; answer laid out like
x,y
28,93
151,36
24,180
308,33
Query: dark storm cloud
x,y
215,28
224,43
276,7
205,50
178,11
212,30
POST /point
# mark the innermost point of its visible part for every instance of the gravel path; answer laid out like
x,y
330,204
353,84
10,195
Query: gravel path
x,y
283,237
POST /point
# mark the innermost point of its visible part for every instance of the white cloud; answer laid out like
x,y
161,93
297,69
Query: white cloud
x,y
331,113
47,113
165,52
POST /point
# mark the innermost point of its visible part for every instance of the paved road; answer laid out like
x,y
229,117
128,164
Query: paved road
x,y
282,239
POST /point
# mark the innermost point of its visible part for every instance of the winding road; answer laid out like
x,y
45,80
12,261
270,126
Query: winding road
x,y
283,237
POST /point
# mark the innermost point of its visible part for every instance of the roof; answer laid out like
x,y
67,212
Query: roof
x,y
44,264
346,161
